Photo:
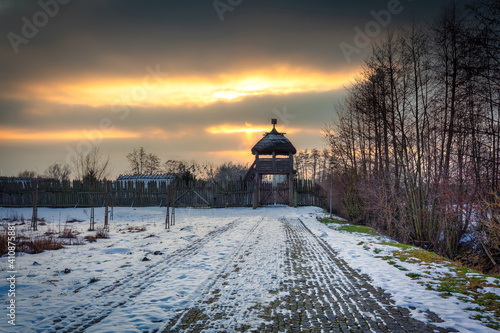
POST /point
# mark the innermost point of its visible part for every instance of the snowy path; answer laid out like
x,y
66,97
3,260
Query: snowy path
x,y
310,288
268,270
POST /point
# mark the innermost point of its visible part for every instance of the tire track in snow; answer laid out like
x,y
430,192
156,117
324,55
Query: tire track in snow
x,y
81,317
250,280
300,285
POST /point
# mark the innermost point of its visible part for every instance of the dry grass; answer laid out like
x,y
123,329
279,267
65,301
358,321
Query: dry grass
x,y
38,244
50,232
90,238
136,229
74,220
67,233
3,244
101,233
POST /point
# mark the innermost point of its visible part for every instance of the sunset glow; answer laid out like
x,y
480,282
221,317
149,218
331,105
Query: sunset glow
x,y
226,129
22,134
183,81
182,91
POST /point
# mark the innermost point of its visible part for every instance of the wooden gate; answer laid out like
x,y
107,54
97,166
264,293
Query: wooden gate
x,y
274,193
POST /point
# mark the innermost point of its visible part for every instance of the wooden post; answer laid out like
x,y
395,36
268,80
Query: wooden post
x,y
112,205
92,221
173,205
106,209
167,217
34,218
256,198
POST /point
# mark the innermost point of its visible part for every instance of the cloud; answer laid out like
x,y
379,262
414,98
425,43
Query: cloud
x,y
84,72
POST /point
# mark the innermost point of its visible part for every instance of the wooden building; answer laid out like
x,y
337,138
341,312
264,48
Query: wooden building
x,y
272,170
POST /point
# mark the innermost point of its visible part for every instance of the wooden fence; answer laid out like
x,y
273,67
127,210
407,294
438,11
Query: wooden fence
x,y
53,193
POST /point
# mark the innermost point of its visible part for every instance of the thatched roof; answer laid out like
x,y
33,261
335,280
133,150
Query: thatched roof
x,y
274,142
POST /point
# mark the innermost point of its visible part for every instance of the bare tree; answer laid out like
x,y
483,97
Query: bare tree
x,y
137,159
152,165
27,174
92,166
58,171
231,171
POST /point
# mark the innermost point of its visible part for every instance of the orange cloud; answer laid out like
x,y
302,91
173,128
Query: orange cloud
x,y
8,134
186,91
248,128
228,129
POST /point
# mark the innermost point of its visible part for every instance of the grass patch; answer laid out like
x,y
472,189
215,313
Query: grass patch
x,y
90,238
101,233
330,221
136,229
67,233
344,226
416,255
414,276
469,283
78,289
462,282
93,280
357,228
74,220
399,245
38,244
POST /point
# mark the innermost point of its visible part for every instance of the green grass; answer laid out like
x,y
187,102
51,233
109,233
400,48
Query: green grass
x,y
78,289
414,276
357,228
416,255
464,283
402,246
344,226
330,221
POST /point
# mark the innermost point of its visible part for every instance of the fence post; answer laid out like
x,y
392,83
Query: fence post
x,y
34,218
173,205
106,209
92,221
167,217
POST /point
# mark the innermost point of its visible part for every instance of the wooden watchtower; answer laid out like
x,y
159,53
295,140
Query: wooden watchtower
x,y
272,170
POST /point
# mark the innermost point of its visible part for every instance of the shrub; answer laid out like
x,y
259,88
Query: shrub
x,y
38,244
67,233
90,238
101,233
94,280
136,229
3,243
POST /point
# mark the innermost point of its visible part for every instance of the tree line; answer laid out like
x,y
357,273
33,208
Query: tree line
x,y
142,162
94,165
416,143
309,164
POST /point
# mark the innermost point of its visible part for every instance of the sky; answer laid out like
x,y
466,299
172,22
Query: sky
x,y
187,80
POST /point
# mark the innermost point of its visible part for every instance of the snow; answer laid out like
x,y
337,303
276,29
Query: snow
x,y
187,260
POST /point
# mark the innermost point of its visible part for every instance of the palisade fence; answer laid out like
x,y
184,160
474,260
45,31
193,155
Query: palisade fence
x,y
200,193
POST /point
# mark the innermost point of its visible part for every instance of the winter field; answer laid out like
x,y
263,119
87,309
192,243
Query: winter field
x,y
234,269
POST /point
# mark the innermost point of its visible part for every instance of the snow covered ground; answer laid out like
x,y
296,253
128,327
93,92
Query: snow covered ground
x,y
144,275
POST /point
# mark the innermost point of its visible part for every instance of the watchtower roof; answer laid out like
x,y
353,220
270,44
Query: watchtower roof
x,y
274,141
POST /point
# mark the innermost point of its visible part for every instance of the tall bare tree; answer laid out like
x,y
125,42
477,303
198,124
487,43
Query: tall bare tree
x,y
58,171
92,166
